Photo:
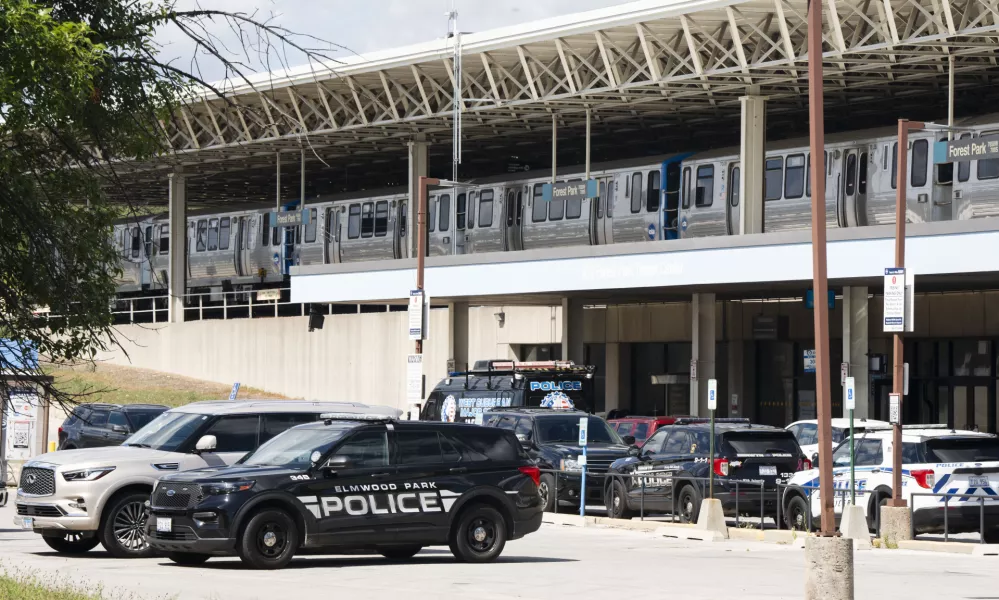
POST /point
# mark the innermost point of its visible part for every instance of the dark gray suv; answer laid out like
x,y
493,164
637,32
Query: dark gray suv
x,y
94,425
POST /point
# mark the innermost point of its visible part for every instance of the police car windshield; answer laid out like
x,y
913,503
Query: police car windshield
x,y
167,432
565,428
969,449
293,449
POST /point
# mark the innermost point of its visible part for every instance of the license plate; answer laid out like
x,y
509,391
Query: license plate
x,y
27,522
164,524
978,481
768,470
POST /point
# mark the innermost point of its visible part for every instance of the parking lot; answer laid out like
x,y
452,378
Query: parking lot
x,y
557,562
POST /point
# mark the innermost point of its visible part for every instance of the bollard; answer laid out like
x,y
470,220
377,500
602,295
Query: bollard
x,y
828,568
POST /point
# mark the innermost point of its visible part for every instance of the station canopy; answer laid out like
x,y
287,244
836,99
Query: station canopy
x,y
657,76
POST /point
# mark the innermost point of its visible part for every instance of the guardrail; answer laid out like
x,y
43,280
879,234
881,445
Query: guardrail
x,y
947,508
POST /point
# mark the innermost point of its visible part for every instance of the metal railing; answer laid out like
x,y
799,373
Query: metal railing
x,y
861,496
947,508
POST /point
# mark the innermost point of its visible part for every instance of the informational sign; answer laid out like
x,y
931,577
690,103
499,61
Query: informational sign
x,y
583,423
416,315
905,379
290,218
235,390
894,299
850,394
22,420
712,394
268,295
809,361
414,378
693,369
894,409
733,409
844,371
980,148
810,299
569,190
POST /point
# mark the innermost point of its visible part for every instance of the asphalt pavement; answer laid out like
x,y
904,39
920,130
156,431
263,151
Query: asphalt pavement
x,y
558,562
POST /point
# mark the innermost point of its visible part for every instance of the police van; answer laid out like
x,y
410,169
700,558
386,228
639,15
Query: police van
x,y
353,484
960,467
463,397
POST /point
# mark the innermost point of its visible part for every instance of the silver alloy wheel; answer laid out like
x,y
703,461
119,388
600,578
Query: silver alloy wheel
x,y
129,524
543,494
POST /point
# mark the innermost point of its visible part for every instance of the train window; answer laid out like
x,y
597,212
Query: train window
x,y
920,160
851,174
381,218
600,199
733,186
367,220
884,159
685,188
276,235
794,176
539,212
509,209
574,206
945,171
164,239
431,215
636,192
148,239
213,235
520,206
354,222
202,239
298,235
894,165
404,212
964,167
224,231
460,212
470,218
311,227
444,212
486,208
988,169
808,176
136,242
652,192
265,229
556,209
705,186
862,177
774,178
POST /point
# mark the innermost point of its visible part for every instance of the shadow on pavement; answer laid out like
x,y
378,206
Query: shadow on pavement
x,y
424,558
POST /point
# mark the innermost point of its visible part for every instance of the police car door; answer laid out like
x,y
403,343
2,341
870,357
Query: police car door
x,y
656,483
675,452
350,499
423,481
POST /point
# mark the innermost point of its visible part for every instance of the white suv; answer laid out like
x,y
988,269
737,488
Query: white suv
x,y
807,433
78,498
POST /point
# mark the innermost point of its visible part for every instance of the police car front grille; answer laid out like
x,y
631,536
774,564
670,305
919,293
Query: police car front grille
x,y
173,536
177,495
37,481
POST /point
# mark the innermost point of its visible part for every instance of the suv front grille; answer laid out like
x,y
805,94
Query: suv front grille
x,y
173,536
177,495
34,510
37,481
598,466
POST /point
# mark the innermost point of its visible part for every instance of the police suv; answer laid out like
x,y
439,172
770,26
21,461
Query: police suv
x,y
669,474
961,465
350,484
463,397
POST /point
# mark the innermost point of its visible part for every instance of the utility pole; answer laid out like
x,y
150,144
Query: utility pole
x,y
421,239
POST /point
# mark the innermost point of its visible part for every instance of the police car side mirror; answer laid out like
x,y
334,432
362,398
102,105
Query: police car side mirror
x,y
629,440
119,429
525,442
207,443
815,459
634,451
336,464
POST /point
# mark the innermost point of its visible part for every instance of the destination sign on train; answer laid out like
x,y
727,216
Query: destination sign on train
x,y
979,148
290,218
569,190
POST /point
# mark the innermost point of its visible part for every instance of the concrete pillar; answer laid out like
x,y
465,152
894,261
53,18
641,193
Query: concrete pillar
x,y
828,568
855,341
572,331
177,256
417,169
458,337
703,351
612,376
734,381
751,163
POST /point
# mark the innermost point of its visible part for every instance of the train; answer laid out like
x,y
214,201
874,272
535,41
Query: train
x,y
651,199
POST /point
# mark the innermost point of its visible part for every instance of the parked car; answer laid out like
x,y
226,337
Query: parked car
x,y
94,425
807,432
641,428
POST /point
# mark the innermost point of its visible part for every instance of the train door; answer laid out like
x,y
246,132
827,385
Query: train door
x,y
460,213
399,228
240,250
732,198
511,214
145,267
671,200
943,191
603,211
860,206
846,207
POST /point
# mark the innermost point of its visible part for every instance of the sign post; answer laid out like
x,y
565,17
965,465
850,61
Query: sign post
x,y
235,390
850,402
712,405
583,422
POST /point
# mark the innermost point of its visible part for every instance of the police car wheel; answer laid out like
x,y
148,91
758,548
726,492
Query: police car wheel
x,y
188,558
688,505
400,552
269,540
71,543
618,502
796,513
546,492
479,536
122,532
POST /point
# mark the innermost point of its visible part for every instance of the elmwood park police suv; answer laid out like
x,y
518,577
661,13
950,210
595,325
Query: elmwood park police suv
x,y
349,484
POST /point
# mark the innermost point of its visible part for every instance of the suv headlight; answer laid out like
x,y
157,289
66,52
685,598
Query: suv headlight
x,y
226,487
569,464
87,474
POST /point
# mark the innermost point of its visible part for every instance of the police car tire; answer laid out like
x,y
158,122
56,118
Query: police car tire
x,y
695,499
462,536
280,523
400,552
794,505
124,508
188,558
622,512
548,483
73,543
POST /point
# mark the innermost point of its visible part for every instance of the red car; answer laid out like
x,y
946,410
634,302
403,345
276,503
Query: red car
x,y
641,427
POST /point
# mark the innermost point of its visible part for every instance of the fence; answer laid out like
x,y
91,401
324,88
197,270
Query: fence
x,y
947,509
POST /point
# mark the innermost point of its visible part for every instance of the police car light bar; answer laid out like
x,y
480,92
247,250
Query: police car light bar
x,y
691,420
353,417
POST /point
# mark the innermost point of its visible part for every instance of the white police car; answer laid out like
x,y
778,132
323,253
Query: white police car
x,y
962,467
807,432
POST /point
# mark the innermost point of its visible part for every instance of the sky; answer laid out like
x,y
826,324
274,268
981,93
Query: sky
x,y
362,25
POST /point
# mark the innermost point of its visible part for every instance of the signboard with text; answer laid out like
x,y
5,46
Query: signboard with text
x,y
979,148
569,190
416,315
894,300
290,218
414,378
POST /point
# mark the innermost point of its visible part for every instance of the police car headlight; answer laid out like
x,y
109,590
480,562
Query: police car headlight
x,y
569,464
87,474
227,487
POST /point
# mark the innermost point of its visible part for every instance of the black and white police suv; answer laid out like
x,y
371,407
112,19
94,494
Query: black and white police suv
x,y
348,484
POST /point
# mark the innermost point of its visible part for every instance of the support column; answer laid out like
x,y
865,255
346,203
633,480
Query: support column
x,y
736,397
417,169
458,336
612,376
177,255
855,342
751,163
702,350
572,331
